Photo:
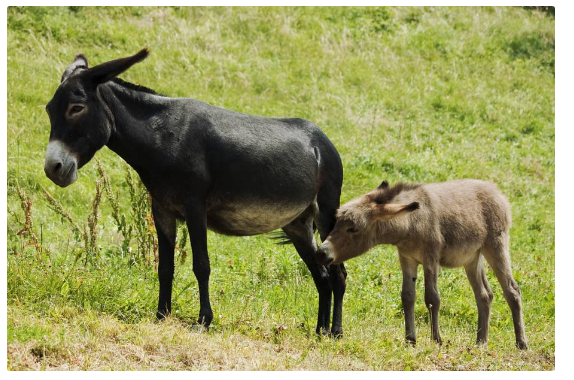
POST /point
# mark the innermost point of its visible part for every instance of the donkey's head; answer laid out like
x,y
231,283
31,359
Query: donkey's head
x,y
360,222
81,123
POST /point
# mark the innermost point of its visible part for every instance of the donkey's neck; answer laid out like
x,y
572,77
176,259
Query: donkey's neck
x,y
138,123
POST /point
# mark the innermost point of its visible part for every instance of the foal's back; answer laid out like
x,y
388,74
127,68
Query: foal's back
x,y
460,217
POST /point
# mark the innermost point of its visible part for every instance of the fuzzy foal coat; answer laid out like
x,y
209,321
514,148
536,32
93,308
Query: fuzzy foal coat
x,y
450,224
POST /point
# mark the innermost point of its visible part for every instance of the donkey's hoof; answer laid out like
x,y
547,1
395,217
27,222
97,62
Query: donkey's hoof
x,y
411,341
321,332
336,333
161,315
199,328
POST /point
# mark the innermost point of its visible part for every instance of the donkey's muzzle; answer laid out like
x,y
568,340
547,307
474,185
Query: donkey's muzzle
x,y
61,166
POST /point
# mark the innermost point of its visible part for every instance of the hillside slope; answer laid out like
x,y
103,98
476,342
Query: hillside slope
x,y
405,94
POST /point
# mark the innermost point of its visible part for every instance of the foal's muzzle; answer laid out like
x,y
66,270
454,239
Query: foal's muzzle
x,y
61,165
323,255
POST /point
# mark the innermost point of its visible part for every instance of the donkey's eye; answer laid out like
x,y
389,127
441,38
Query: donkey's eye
x,y
352,230
75,109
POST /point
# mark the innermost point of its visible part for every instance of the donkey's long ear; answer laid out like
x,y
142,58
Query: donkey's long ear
x,y
80,64
106,71
392,210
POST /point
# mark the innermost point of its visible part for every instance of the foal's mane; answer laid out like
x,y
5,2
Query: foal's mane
x,y
385,195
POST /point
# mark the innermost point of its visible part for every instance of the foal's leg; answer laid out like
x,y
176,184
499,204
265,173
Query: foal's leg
x,y
482,293
432,297
498,257
196,218
165,226
300,232
408,296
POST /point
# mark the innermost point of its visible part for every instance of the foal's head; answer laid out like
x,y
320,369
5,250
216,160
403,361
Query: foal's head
x,y
360,221
81,123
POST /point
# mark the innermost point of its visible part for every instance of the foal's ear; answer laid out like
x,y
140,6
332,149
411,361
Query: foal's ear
x,y
109,70
392,210
80,64
383,185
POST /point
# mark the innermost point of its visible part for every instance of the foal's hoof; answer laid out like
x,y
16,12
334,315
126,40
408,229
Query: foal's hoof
x,y
522,345
411,341
481,343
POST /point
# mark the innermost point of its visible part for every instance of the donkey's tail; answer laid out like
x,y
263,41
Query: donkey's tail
x,y
281,237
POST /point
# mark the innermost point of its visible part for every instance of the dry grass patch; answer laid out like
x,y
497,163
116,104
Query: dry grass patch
x,y
99,342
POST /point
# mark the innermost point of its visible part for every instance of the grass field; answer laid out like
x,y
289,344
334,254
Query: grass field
x,y
405,94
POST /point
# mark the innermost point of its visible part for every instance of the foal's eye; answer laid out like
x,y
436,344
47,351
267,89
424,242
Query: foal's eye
x,y
352,230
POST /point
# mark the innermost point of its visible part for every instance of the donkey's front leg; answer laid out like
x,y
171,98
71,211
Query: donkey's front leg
x,y
408,296
165,226
196,218
432,297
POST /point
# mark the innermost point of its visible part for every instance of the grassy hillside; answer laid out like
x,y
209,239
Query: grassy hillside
x,y
405,94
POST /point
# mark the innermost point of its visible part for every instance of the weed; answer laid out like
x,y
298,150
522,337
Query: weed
x,y
27,233
124,228
89,231
143,225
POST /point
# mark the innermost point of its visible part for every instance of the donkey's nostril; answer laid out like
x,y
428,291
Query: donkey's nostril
x,y
57,167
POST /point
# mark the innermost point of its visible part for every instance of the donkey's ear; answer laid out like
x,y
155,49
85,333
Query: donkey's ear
x,y
392,210
109,70
80,64
383,185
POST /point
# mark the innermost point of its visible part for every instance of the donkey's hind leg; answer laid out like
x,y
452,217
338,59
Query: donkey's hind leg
x,y
476,274
325,215
496,252
338,277
300,232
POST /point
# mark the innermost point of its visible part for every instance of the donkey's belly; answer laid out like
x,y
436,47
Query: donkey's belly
x,y
251,218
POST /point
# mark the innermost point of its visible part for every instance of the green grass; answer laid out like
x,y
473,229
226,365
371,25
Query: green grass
x,y
405,94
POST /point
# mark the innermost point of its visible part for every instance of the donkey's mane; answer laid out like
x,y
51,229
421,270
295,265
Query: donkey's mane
x,y
135,87
385,195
